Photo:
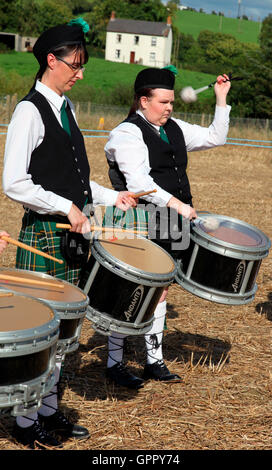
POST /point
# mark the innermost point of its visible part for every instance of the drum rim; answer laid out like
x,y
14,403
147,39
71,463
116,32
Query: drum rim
x,y
17,394
199,235
99,319
206,293
55,303
217,296
128,268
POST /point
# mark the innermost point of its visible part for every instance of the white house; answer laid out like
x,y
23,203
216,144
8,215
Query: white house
x,y
16,42
141,42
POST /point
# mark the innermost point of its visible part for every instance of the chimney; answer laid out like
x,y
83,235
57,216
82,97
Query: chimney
x,y
169,21
112,18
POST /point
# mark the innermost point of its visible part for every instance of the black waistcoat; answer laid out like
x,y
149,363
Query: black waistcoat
x,y
168,162
60,164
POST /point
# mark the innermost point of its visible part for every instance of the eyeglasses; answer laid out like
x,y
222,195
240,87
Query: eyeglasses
x,y
74,68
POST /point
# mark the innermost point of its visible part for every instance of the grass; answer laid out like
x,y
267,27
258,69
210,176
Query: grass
x,y
102,79
191,22
100,74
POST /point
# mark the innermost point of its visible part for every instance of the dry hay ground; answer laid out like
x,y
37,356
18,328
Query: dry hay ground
x,y
222,352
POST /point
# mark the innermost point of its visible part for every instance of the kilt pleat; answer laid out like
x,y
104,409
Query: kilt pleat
x,y
133,219
44,236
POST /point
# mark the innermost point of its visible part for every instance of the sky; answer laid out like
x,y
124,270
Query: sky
x,y
255,10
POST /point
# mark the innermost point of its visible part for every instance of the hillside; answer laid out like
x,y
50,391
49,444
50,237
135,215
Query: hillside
x,y
191,22
100,75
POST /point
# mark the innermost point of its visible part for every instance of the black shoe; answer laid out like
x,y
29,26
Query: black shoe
x,y
34,435
59,423
159,371
121,376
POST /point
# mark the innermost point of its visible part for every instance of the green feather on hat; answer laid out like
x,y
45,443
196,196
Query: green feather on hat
x,y
172,68
80,22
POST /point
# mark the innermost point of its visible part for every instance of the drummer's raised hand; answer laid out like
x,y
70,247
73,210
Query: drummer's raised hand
x,y
125,200
3,243
221,89
79,222
184,209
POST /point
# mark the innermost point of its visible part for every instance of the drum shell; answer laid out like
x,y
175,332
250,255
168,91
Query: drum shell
x,y
27,363
122,298
70,314
221,272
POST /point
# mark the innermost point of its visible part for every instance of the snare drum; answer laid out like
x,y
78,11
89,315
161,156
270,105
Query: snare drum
x,y
221,265
124,280
29,331
67,300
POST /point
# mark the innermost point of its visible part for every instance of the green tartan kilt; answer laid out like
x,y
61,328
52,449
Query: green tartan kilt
x,y
42,234
133,219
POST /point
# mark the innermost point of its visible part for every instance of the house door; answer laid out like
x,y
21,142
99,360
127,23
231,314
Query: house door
x,y
132,57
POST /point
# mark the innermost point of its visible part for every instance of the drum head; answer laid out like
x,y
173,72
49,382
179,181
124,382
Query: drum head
x,y
23,313
139,253
62,292
230,234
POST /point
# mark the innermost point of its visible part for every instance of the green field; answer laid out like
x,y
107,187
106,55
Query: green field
x,y
103,78
100,74
191,22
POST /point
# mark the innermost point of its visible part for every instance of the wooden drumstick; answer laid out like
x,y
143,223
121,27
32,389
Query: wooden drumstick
x,y
97,228
30,248
136,195
6,294
123,244
26,280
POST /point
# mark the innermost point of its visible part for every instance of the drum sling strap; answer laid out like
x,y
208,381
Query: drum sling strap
x,y
74,247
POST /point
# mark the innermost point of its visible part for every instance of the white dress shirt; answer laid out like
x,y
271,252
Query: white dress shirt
x,y
25,133
127,147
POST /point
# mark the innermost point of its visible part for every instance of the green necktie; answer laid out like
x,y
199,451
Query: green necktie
x,y
64,118
163,135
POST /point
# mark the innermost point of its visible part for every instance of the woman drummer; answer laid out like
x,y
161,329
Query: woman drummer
x,y
47,171
149,151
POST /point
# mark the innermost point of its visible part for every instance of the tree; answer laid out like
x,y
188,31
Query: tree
x,y
28,10
80,6
221,49
149,10
253,97
9,17
265,36
186,43
172,7
51,13
35,17
262,75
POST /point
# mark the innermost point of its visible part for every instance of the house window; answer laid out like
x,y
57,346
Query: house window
x,y
118,37
136,40
153,41
152,56
117,53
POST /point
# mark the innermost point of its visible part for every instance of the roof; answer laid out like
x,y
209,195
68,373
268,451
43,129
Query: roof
x,y
150,28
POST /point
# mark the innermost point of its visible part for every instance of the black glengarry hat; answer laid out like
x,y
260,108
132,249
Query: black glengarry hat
x,y
156,78
60,35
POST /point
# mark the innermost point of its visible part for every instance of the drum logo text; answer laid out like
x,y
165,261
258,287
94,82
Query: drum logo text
x,y
135,301
240,272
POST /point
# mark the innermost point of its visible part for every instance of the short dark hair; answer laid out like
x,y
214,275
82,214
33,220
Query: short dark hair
x,y
148,92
